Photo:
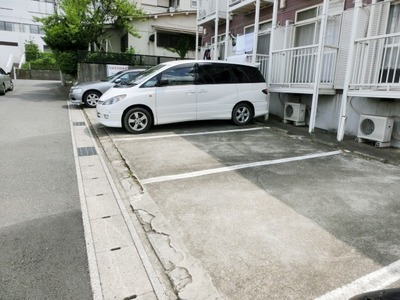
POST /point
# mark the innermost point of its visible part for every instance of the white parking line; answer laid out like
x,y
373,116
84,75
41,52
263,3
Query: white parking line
x,y
238,167
374,281
187,134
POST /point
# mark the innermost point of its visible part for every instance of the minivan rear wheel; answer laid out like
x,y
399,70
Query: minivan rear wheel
x,y
137,120
242,114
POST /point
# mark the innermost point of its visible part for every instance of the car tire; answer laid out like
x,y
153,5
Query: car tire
x,y
137,120
90,98
2,90
11,86
242,114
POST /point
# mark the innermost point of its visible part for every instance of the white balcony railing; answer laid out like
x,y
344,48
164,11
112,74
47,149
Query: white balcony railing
x,y
377,63
296,67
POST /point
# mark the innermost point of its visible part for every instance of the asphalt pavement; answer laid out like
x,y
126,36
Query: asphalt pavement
x,y
43,251
199,210
266,211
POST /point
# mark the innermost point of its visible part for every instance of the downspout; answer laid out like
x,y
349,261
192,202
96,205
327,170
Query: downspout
x,y
350,63
215,56
318,68
271,43
196,54
227,30
255,37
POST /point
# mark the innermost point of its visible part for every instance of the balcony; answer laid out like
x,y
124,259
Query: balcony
x,y
376,67
246,6
293,70
209,10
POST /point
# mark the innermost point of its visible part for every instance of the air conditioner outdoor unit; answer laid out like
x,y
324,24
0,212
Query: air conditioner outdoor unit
x,y
295,112
375,128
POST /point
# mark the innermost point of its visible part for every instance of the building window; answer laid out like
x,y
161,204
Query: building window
x,y
173,3
170,40
34,29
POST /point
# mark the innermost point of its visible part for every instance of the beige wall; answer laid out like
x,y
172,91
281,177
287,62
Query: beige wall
x,y
179,21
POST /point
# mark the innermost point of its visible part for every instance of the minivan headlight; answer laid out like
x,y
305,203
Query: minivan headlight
x,y
113,100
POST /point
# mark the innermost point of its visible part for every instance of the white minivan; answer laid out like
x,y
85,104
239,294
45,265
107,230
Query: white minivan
x,y
186,90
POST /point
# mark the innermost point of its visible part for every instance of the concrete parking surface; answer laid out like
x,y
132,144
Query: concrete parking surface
x,y
263,212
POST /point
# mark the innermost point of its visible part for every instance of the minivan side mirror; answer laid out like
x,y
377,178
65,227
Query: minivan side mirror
x,y
117,80
163,82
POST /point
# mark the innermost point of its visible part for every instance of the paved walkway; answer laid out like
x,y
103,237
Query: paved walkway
x,y
119,264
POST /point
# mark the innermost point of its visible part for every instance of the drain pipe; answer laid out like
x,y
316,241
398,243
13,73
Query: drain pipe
x,y
272,37
215,54
350,63
227,30
255,33
318,68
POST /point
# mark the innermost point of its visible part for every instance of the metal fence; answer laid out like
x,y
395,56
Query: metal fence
x,y
121,58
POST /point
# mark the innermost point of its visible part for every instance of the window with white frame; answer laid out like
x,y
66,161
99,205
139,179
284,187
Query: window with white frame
x,y
263,40
392,46
306,27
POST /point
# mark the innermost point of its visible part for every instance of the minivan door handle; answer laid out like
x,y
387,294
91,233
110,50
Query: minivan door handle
x,y
190,92
202,91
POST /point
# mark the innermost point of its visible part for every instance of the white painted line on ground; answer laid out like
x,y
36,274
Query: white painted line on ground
x,y
238,167
377,280
187,134
91,253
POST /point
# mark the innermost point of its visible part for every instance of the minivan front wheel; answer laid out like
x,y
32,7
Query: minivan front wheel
x,y
137,120
242,114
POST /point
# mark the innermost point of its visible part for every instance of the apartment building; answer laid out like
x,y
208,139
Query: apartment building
x,y
331,64
17,27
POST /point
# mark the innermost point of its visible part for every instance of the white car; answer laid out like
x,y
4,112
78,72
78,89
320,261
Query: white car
x,y
88,93
186,90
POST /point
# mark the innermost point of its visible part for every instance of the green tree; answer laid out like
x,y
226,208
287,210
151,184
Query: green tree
x,y
182,46
31,51
85,22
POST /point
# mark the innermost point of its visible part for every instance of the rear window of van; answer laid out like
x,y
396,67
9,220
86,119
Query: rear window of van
x,y
209,73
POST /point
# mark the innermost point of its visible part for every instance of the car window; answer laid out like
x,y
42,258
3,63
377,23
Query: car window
x,y
145,74
127,77
252,73
152,82
113,76
2,71
214,74
179,75
240,75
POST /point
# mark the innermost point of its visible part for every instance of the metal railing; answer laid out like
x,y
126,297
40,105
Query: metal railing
x,y
122,58
296,66
377,63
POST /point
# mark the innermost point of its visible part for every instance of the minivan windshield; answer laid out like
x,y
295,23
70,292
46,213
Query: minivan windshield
x,y
145,74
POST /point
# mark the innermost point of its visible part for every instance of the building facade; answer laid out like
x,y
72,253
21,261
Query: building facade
x,y
17,27
333,63
165,21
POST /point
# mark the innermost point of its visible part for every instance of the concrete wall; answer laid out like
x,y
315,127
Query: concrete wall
x,y
38,74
